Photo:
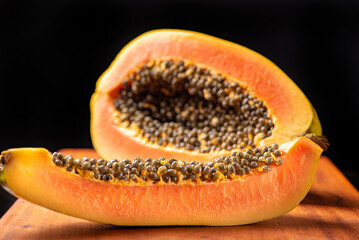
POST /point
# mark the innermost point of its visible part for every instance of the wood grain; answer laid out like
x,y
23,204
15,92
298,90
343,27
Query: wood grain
x,y
329,211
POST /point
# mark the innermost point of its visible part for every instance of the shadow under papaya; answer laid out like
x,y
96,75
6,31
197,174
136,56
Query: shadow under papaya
x,y
329,199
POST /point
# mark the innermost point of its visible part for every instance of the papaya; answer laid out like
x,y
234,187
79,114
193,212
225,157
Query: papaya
x,y
71,186
187,95
217,135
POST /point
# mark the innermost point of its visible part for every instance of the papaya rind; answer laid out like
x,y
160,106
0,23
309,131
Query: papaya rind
x,y
315,126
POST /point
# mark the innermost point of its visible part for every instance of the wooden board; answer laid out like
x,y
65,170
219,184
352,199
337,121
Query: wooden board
x,y
329,211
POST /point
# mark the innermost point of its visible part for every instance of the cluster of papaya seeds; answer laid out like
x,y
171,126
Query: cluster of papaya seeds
x,y
149,171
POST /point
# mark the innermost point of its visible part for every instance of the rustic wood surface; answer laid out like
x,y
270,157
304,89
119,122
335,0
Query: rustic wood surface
x,y
329,211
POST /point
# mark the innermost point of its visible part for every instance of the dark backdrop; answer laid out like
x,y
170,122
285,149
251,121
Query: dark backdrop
x,y
52,52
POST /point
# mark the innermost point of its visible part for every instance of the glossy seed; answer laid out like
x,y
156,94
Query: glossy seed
x,y
171,172
78,163
236,165
133,178
277,153
266,168
135,171
141,166
134,164
58,162
122,165
192,176
153,176
138,159
150,169
101,162
111,161
118,175
60,156
116,167
249,151
183,169
197,169
269,160
221,167
127,161
246,169
174,165
69,159
102,169
167,165
86,165
156,162
93,161
210,164
165,178
279,161
266,155
231,169
214,176
241,171
213,170
174,179
171,160
126,171
106,177
261,159
244,162
253,164
239,154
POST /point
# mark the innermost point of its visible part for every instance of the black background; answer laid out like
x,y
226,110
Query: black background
x,y
52,52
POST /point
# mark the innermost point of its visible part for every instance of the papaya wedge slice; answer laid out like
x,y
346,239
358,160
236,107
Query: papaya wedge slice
x,y
292,113
30,173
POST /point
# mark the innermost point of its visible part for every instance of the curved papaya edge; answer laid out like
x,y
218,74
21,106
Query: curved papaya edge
x,y
31,174
292,112
315,127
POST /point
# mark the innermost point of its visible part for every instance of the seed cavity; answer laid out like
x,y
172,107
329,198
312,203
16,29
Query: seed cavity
x,y
179,104
171,171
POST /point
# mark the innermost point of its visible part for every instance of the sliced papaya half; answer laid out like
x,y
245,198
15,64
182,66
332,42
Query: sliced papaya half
x,y
103,191
187,95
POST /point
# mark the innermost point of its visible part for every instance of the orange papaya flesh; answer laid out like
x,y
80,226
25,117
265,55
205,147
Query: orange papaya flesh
x,y
31,174
288,108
